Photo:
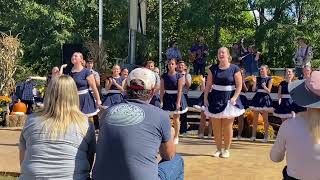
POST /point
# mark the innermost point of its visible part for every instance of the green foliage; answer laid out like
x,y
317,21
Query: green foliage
x,y
45,25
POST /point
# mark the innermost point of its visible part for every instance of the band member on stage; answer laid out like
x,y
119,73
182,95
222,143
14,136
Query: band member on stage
x,y
285,109
261,102
198,54
222,100
173,52
302,57
89,102
171,95
250,61
115,87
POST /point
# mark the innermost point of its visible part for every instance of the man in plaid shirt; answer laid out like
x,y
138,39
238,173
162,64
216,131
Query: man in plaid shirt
x,y
27,94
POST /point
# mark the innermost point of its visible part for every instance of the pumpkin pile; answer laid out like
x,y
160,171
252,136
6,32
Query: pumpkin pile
x,y
250,116
19,108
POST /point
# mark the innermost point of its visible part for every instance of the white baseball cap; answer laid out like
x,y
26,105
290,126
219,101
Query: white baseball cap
x,y
145,75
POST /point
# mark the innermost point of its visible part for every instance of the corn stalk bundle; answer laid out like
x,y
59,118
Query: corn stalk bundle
x,y
94,51
10,53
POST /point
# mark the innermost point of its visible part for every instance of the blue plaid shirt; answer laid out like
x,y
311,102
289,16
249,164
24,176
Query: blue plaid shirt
x,y
27,93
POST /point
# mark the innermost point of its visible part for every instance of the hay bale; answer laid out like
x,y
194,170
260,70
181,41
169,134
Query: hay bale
x,y
17,120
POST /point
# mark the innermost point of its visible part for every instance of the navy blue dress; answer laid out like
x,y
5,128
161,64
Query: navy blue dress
x,y
262,100
170,95
222,91
243,97
114,95
87,102
200,103
284,110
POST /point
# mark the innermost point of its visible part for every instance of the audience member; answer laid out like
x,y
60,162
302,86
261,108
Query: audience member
x,y
132,134
58,143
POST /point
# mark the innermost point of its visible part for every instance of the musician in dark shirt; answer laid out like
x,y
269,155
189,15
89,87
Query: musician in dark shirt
x,y
198,56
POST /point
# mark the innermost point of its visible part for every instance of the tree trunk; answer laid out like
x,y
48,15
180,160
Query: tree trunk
x,y
216,35
301,13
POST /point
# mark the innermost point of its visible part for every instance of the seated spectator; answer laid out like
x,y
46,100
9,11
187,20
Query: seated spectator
x,y
299,138
58,143
132,134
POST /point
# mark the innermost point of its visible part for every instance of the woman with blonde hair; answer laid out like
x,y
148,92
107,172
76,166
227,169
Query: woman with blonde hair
x,y
222,101
58,143
298,139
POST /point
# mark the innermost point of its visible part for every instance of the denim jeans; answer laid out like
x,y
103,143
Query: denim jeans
x,y
171,170
299,73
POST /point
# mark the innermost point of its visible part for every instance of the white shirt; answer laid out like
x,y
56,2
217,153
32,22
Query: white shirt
x,y
302,154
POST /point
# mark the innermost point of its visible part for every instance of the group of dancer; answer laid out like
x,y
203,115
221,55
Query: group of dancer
x,y
223,98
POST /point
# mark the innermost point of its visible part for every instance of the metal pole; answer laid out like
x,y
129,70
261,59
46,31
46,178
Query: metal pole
x,y
100,58
132,46
100,21
160,34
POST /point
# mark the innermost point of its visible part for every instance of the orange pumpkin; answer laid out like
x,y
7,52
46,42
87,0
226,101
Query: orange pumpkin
x,y
19,107
250,116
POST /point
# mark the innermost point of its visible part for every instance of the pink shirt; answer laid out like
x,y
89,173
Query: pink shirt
x,y
302,154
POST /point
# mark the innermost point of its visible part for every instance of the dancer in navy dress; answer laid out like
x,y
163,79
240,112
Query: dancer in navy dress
x,y
203,118
89,103
183,69
115,87
222,100
156,97
261,102
244,102
171,95
285,109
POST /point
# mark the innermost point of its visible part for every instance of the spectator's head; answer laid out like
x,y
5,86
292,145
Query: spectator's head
x,y
150,65
157,70
141,83
306,93
172,65
224,55
55,71
89,63
200,40
306,72
301,41
124,72
173,44
77,59
116,70
289,74
181,66
264,70
61,107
